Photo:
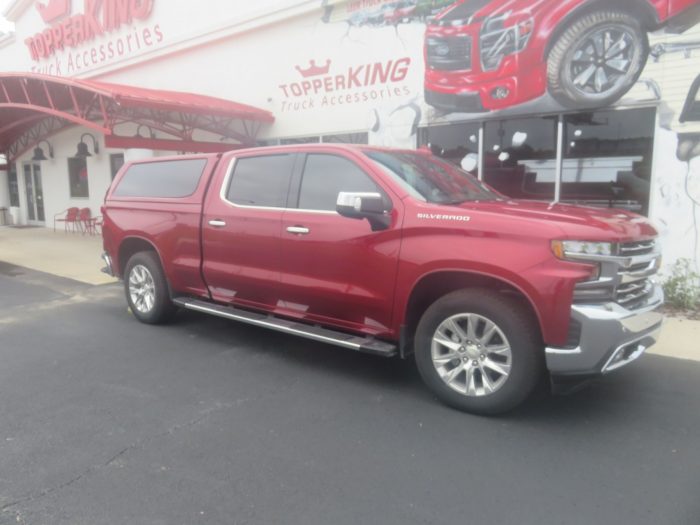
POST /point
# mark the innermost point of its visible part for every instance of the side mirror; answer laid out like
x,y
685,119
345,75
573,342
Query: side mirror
x,y
370,206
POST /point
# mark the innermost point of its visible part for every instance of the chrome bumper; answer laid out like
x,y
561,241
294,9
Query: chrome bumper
x,y
611,337
108,260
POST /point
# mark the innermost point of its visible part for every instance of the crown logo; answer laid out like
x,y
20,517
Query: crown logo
x,y
313,70
53,10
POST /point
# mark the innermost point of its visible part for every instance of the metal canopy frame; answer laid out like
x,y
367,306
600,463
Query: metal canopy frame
x,y
34,107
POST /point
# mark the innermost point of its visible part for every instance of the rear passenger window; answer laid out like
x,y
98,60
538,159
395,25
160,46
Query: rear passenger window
x,y
169,178
261,181
327,175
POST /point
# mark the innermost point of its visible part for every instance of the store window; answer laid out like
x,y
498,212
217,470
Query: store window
x,y
13,185
346,138
301,140
458,143
607,158
520,157
78,177
327,175
116,161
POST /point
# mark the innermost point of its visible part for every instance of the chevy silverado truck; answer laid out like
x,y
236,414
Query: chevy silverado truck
x,y
390,252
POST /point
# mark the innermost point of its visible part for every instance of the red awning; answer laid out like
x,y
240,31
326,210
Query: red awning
x,y
34,107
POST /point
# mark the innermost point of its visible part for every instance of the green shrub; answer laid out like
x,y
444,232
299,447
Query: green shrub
x,y
682,288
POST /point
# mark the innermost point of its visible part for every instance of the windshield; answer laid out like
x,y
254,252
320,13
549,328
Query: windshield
x,y
430,179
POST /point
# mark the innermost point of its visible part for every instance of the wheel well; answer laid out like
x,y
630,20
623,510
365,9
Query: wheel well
x,y
642,11
431,287
131,246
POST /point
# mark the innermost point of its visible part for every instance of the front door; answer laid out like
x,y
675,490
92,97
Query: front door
x,y
335,269
34,192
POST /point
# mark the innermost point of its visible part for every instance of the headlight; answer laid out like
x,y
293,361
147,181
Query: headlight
x,y
498,40
581,249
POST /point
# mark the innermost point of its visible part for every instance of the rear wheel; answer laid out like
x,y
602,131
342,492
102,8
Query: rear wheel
x,y
147,290
479,351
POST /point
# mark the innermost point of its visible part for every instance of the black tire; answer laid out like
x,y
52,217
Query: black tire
x,y
522,336
162,308
561,67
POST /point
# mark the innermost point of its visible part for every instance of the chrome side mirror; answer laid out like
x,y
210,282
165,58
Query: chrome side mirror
x,y
364,205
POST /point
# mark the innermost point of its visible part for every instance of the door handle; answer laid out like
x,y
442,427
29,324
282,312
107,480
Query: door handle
x,y
218,223
299,230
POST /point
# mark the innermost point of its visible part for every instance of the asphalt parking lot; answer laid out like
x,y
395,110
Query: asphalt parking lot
x,y
104,420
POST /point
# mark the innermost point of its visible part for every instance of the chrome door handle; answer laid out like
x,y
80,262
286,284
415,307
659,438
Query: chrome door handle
x,y
218,223
300,230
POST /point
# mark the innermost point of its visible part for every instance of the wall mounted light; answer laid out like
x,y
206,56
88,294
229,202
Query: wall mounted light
x,y
39,153
138,135
83,148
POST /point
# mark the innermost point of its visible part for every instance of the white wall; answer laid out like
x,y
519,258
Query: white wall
x,y
55,180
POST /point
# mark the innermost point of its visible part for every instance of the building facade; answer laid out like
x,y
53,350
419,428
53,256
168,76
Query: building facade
x,y
580,101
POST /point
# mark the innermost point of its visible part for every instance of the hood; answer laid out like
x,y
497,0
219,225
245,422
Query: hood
x,y
584,223
479,9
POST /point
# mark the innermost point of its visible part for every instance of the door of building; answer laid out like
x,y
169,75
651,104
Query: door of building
x,y
35,194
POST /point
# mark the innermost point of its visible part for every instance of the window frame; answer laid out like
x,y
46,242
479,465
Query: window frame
x,y
71,192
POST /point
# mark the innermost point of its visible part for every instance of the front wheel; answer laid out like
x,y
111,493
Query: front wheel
x,y
479,351
146,289
597,59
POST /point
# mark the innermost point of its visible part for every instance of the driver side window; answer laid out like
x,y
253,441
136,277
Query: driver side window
x,y
327,175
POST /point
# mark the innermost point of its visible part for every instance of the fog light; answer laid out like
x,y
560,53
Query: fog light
x,y
500,93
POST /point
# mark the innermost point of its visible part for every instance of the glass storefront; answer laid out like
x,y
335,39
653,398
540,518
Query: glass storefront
x,y
596,158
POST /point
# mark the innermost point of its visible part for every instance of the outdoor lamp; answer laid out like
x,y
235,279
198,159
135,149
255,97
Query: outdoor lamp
x,y
83,148
39,153
138,135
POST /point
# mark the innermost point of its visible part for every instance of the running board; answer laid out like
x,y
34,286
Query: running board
x,y
361,344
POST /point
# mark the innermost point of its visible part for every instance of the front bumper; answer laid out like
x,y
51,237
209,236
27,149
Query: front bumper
x,y
611,337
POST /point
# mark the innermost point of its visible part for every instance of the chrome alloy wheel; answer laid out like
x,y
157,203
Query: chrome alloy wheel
x,y
602,60
471,354
142,289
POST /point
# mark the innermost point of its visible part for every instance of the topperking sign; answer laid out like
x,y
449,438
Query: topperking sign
x,y
98,23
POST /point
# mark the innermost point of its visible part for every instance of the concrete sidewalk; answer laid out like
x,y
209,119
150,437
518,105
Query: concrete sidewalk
x,y
77,257
69,255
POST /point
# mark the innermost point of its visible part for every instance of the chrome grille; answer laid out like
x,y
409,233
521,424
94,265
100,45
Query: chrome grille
x,y
631,295
636,248
625,277
449,53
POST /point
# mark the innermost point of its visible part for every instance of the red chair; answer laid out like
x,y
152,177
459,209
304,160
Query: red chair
x,y
88,223
69,220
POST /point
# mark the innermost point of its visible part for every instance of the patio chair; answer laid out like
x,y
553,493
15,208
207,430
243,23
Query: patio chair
x,y
88,223
69,219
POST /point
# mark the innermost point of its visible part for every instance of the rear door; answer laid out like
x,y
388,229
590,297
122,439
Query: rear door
x,y
241,229
335,269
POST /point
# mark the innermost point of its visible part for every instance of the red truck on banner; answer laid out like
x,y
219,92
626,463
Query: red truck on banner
x,y
390,252
484,55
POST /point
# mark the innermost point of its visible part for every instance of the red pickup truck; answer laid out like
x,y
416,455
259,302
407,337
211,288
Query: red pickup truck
x,y
390,252
484,55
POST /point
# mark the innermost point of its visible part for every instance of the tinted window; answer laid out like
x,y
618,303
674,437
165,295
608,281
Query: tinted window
x,y
261,181
327,175
170,178
520,157
608,157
